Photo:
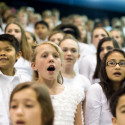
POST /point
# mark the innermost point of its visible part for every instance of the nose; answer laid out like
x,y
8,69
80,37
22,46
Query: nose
x,y
51,58
117,66
100,37
105,51
19,111
69,52
2,53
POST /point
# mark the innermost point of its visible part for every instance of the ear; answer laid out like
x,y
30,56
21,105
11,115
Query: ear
x,y
33,66
114,121
18,55
78,56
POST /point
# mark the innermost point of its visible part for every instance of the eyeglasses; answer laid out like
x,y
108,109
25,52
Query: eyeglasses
x,y
112,63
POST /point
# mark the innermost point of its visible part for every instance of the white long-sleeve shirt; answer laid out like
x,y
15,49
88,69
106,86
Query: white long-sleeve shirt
x,y
3,114
97,107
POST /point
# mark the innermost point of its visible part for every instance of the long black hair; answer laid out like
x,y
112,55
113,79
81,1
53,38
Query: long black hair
x,y
106,83
105,39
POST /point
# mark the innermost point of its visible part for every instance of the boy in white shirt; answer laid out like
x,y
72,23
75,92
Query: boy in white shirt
x,y
9,76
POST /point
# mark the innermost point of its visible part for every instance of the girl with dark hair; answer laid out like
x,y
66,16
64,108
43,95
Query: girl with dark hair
x,y
87,63
112,76
106,44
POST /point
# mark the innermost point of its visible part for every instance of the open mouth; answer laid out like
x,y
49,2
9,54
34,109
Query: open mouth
x,y
51,68
69,59
20,123
117,73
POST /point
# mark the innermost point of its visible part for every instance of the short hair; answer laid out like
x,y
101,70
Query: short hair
x,y
105,83
56,32
103,40
42,97
58,49
41,22
12,40
115,98
69,29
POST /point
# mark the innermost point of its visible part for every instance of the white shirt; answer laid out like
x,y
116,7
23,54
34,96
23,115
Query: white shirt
x,y
87,65
97,107
8,83
3,114
24,67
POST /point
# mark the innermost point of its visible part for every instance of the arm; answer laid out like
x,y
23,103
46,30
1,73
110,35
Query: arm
x,y
93,106
78,118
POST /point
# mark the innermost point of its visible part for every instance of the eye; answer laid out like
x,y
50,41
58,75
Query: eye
x,y
17,31
44,56
109,48
96,36
122,63
13,106
111,63
55,55
103,35
64,49
8,50
73,50
29,105
9,31
101,49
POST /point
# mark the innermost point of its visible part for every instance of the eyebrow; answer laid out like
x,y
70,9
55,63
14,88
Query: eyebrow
x,y
123,106
14,100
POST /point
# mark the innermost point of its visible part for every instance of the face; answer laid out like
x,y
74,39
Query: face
x,y
106,47
29,38
47,62
7,55
83,31
98,34
25,109
41,31
116,74
56,38
117,36
120,112
14,30
70,51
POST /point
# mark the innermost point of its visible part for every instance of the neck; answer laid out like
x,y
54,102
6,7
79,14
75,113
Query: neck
x,y
116,86
53,86
68,72
8,72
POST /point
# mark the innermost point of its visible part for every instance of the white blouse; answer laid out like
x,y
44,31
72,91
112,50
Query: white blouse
x,y
65,105
97,107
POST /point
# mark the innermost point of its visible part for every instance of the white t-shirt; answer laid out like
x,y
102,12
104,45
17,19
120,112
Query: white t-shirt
x,y
97,107
65,105
78,81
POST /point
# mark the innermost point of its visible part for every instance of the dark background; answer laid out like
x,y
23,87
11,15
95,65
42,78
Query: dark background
x,y
92,8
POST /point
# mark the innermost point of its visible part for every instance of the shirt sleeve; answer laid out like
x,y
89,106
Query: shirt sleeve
x,y
4,120
93,105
